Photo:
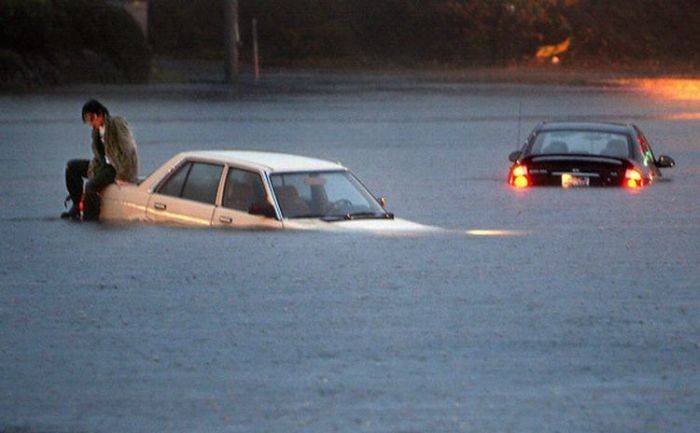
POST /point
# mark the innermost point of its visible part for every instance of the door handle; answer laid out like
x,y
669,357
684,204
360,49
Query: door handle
x,y
160,206
225,219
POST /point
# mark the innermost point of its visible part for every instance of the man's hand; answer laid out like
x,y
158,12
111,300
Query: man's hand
x,y
120,182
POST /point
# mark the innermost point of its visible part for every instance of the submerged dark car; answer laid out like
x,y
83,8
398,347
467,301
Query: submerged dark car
x,y
574,154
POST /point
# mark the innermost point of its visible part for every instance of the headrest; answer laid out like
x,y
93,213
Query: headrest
x,y
556,147
616,147
287,191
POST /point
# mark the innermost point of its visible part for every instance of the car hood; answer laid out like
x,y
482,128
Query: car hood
x,y
380,226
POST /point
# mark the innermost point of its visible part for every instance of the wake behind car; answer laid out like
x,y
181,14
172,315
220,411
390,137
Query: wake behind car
x,y
247,189
580,154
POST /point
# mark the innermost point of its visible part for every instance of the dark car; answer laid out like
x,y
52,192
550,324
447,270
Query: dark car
x,y
571,154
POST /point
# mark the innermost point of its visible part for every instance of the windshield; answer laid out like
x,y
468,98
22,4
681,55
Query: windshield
x,y
581,142
322,195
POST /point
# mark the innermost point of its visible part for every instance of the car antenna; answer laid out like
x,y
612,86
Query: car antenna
x,y
520,116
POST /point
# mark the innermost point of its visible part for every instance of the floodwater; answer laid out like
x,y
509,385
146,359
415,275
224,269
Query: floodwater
x,y
588,321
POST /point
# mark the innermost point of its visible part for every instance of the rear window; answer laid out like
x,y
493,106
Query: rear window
x,y
581,143
202,183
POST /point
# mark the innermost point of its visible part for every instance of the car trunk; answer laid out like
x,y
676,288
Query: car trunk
x,y
573,170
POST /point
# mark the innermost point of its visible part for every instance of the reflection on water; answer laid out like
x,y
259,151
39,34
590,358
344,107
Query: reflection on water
x,y
667,88
482,232
684,116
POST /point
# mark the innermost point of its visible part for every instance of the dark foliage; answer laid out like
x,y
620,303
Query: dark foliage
x,y
54,41
449,31
25,25
188,28
636,30
51,41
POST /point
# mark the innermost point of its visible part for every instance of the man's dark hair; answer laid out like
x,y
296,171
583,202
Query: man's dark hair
x,y
95,107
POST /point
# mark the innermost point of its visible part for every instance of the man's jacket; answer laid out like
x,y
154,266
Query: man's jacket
x,y
119,148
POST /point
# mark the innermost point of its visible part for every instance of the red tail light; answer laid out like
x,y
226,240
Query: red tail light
x,y
518,176
81,208
633,178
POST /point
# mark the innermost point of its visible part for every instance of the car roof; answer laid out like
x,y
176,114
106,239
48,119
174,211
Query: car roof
x,y
586,126
267,161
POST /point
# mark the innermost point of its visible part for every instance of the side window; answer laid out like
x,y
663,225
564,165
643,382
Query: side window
x,y
173,186
202,182
242,190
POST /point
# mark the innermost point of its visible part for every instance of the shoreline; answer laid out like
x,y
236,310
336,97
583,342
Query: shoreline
x,y
209,74
170,70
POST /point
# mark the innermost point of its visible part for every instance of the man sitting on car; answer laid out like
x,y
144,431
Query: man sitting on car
x,y
114,159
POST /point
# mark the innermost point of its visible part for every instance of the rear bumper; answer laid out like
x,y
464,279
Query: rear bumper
x,y
565,171
556,179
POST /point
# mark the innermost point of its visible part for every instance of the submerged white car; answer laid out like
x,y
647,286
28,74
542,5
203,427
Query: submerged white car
x,y
252,190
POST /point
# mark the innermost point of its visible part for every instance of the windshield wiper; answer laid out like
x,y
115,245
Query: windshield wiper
x,y
358,215
333,218
309,215
364,215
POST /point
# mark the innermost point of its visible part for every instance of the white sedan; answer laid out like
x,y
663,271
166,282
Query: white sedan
x,y
247,189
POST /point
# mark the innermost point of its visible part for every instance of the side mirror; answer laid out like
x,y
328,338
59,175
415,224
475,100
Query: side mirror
x,y
263,209
514,156
665,162
382,201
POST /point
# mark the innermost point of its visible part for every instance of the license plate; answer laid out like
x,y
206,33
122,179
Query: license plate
x,y
571,180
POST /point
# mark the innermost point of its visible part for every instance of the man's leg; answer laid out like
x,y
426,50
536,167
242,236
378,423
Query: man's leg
x,y
103,177
76,170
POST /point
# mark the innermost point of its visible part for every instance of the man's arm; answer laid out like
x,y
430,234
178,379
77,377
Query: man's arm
x,y
123,154
95,162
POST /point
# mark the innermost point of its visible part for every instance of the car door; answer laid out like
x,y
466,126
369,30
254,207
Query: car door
x,y
188,196
243,199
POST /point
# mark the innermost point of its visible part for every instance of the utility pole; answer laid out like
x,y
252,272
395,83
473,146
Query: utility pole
x,y
232,36
256,57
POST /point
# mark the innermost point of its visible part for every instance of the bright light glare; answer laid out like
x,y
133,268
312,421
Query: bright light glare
x,y
633,174
684,116
483,232
520,182
519,170
633,178
666,88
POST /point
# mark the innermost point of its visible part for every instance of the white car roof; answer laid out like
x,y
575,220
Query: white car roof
x,y
269,161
